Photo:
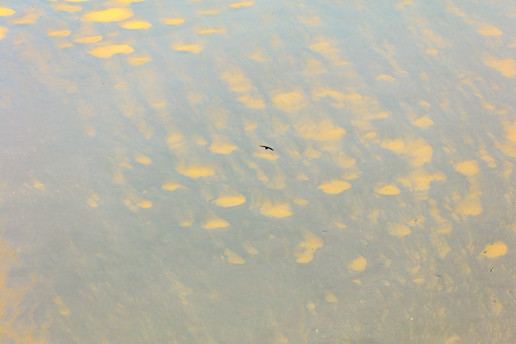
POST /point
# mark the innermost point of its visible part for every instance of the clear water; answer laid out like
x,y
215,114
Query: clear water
x,y
136,205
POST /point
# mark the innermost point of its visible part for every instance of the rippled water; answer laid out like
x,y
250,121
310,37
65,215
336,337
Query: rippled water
x,y
136,205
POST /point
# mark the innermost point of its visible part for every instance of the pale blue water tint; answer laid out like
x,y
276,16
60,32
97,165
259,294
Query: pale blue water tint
x,y
138,207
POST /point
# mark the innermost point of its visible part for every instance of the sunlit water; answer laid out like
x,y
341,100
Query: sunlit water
x,y
136,205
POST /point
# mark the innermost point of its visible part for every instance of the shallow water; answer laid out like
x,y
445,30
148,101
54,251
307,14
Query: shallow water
x,y
136,205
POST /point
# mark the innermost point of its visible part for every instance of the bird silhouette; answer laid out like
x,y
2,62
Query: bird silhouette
x,y
267,147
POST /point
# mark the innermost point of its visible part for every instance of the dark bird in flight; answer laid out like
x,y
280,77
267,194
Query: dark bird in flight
x,y
267,147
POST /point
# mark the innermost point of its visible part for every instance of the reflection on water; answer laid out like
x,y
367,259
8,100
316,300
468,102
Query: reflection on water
x,y
137,205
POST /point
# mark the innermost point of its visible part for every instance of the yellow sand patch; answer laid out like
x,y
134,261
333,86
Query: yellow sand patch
x,y
388,190
330,297
232,257
38,186
4,12
402,4
215,223
322,131
196,171
92,200
88,39
123,162
201,141
351,176
508,149
171,186
143,159
251,102
419,280
250,249
134,202
187,222
334,187
222,147
268,155
210,12
118,177
64,45
443,248
64,7
312,308
507,67
385,77
357,281
191,48
3,31
30,18
323,48
181,291
258,56
59,33
135,24
495,250
396,145
125,2
488,106
420,180
91,132
291,101
423,122
433,37
305,251
349,97
146,129
344,161
418,150
470,204
315,20
109,15
312,153
211,31
278,210
61,307
174,140
138,61
488,159
237,81
468,168
358,264
314,67
341,100
486,29
144,203
159,104
110,50
454,339
399,230
250,126
230,201
300,201
173,21
241,4
510,131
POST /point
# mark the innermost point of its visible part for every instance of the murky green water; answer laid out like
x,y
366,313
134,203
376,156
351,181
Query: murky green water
x,y
137,206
